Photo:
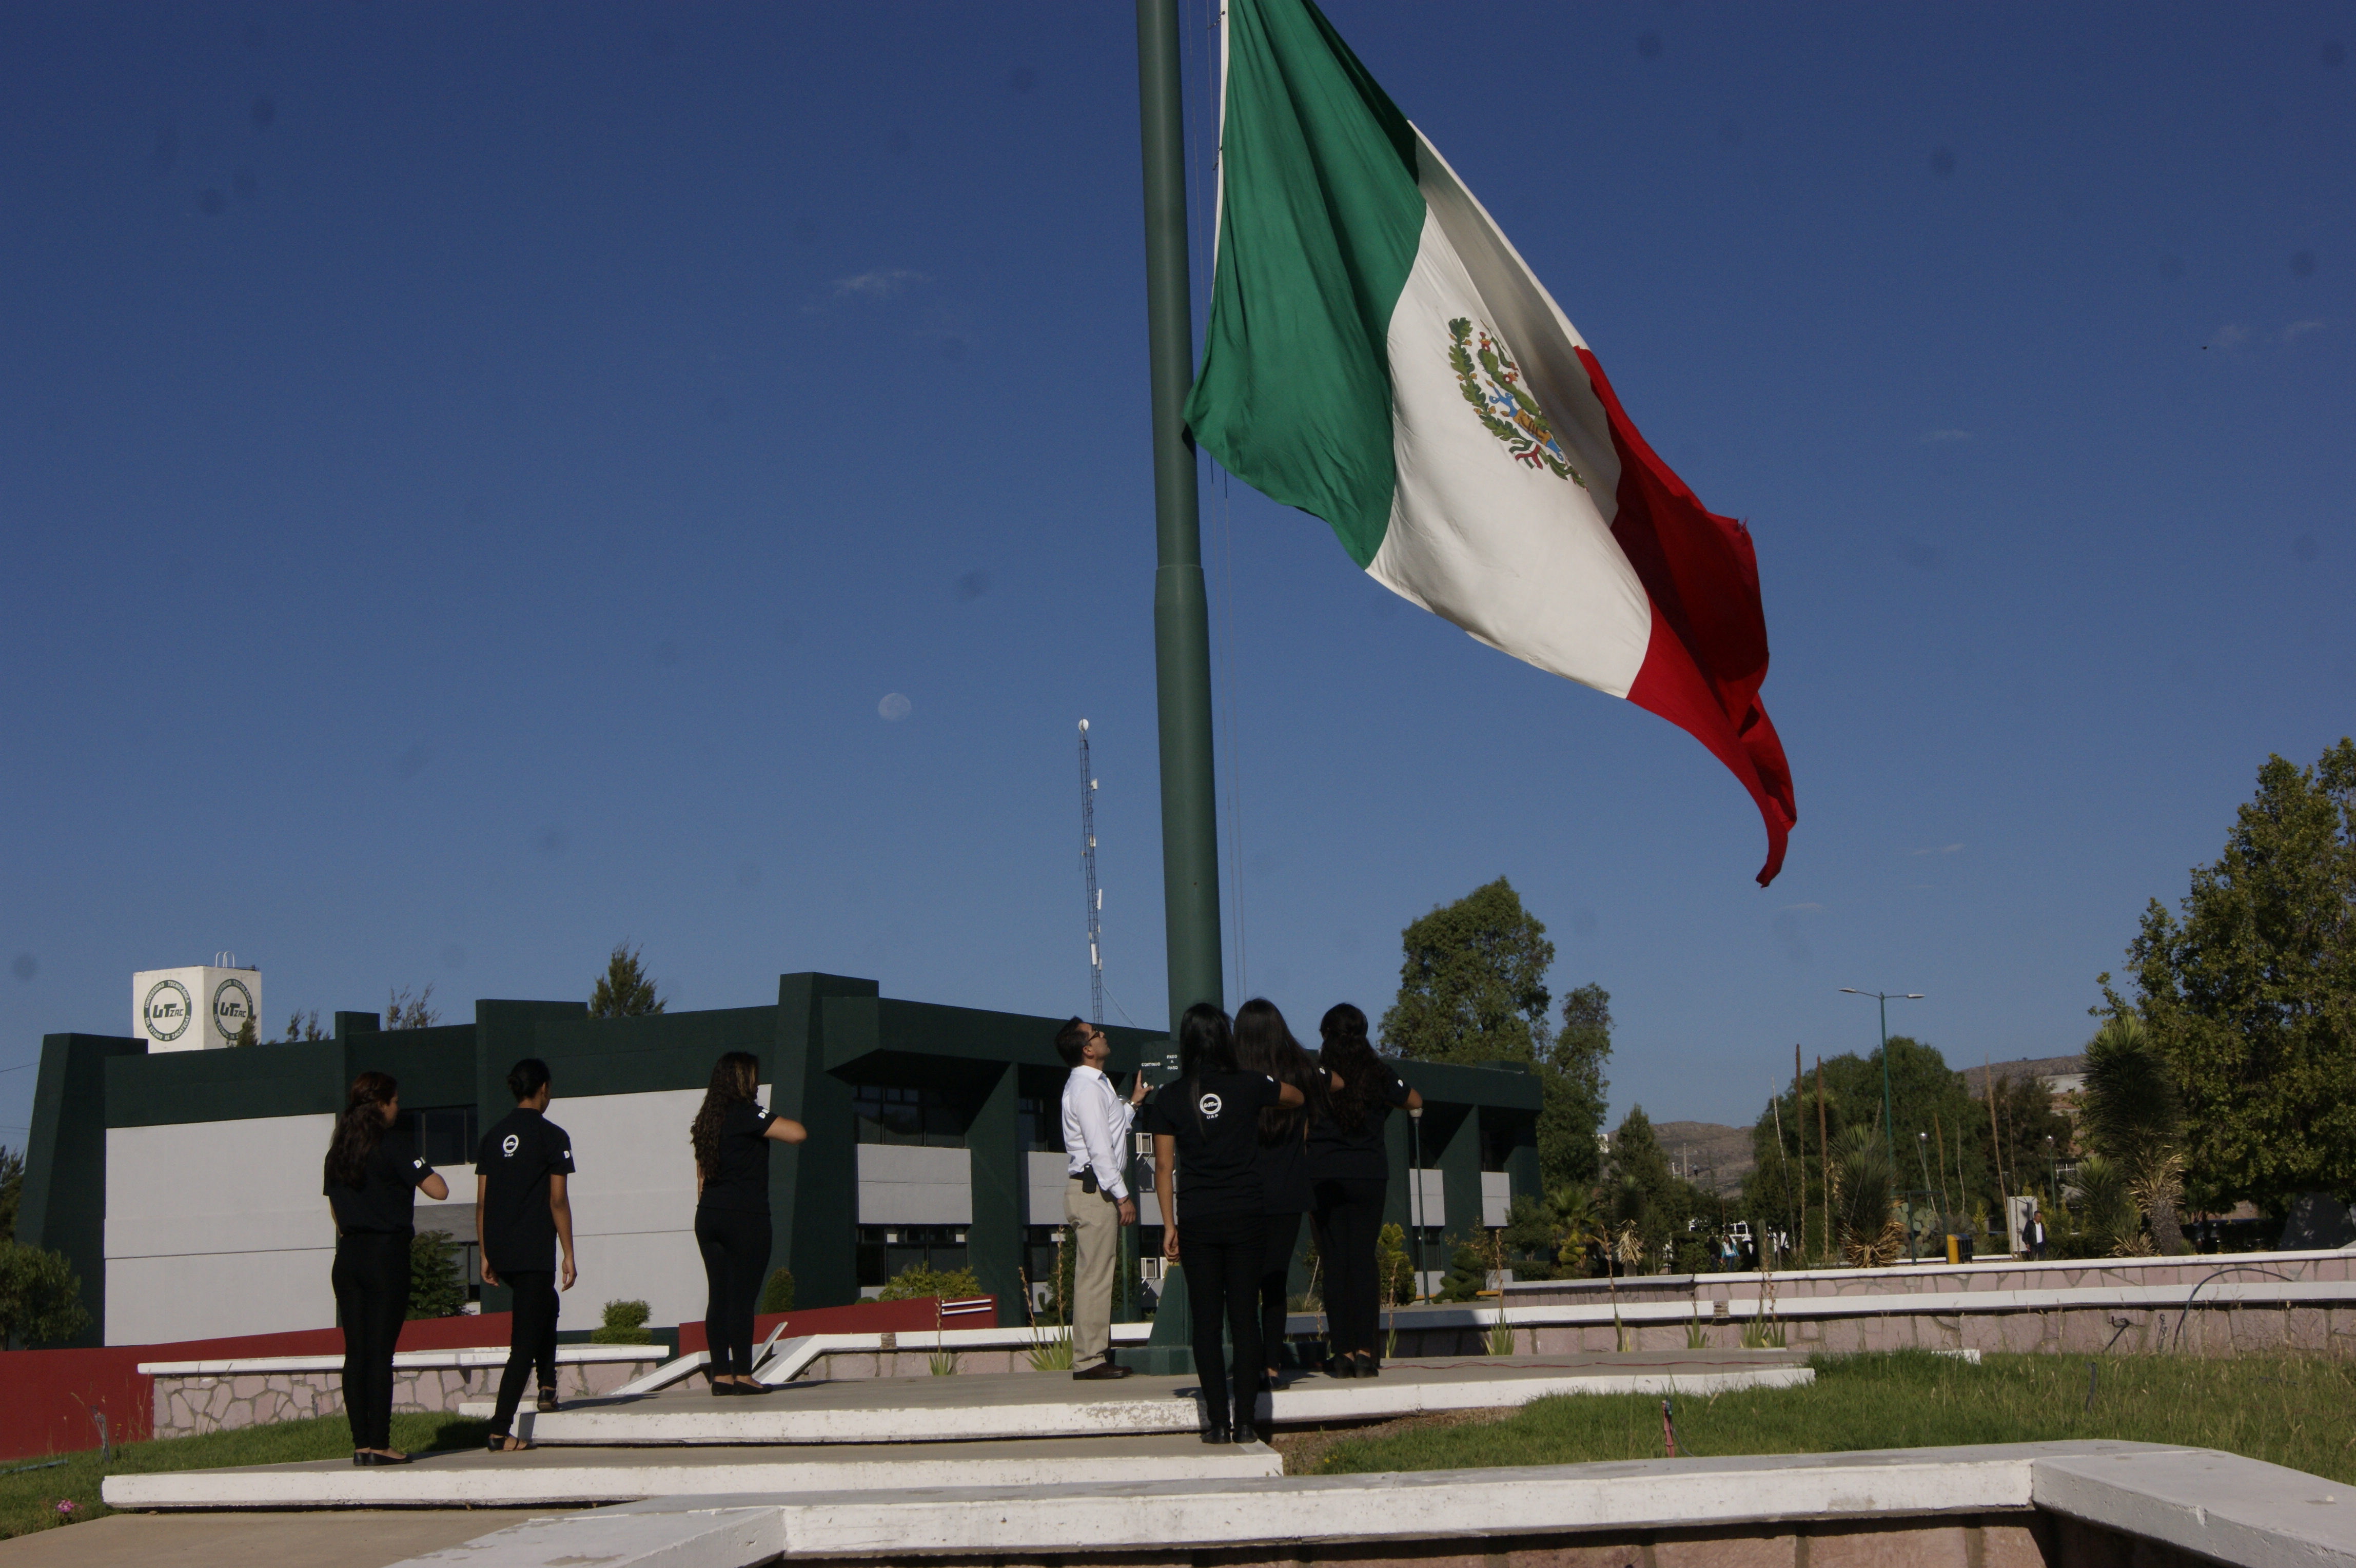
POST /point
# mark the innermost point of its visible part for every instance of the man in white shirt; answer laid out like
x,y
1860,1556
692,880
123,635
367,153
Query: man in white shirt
x,y
1096,1203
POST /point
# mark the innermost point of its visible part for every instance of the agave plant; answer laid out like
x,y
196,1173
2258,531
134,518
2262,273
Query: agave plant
x,y
2108,1206
1863,1188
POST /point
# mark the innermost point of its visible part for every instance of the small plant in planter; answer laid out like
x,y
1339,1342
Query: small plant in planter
x,y
625,1323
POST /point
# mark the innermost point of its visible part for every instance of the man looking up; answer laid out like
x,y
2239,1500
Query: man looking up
x,y
1095,1192
521,1216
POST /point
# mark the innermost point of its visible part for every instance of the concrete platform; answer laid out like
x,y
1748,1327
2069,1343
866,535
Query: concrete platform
x,y
244,1540
973,1408
578,1478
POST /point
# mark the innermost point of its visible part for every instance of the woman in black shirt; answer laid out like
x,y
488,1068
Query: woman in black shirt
x,y
1349,1173
1264,1045
731,1134
1207,1123
372,1185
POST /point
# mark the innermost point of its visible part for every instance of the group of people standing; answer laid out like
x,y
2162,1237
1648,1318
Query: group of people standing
x,y
523,1221
1253,1135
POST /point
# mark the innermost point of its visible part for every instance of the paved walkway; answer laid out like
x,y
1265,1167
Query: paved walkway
x,y
254,1540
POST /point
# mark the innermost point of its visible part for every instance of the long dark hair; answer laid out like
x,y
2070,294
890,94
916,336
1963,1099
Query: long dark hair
x,y
1263,1044
735,1077
1350,1057
360,1129
1206,1043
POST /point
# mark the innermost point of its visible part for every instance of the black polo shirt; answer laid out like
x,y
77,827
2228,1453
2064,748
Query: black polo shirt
x,y
1217,1129
517,1155
382,1204
738,1182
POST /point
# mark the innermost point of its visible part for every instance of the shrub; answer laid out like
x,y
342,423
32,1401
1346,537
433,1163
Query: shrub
x,y
778,1296
916,1282
40,1297
624,1324
437,1286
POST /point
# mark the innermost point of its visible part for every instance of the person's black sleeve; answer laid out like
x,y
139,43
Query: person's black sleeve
x,y
1395,1092
419,1170
560,1151
1269,1092
1156,1117
485,1152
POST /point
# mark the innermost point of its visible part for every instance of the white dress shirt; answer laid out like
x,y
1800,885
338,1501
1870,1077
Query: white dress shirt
x,y
1096,1123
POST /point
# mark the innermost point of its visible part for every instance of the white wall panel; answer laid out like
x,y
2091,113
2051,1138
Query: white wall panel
x,y
152,1301
1497,1197
1044,1188
907,1184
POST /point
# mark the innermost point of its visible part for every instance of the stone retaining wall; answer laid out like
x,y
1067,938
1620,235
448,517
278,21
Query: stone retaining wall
x,y
186,1405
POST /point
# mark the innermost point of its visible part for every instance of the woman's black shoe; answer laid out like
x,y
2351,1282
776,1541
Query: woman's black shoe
x,y
1367,1367
547,1402
720,1388
1217,1435
1342,1366
368,1458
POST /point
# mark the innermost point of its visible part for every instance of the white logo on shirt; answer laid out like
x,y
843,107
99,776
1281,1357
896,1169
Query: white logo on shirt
x,y
510,1144
1210,1105
417,1165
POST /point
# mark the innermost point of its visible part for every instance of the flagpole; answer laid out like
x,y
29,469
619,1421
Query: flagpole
x,y
1182,630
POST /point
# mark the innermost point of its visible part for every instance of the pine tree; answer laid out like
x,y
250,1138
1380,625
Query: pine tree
x,y
624,990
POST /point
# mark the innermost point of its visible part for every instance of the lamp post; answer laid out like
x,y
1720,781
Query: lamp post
x,y
1889,1127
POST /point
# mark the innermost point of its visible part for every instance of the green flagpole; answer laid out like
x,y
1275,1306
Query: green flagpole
x,y
1182,630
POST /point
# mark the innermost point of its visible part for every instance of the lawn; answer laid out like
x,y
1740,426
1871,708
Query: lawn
x,y
2286,1409
28,1500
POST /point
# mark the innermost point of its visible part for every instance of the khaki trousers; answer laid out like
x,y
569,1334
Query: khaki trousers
x,y
1095,1220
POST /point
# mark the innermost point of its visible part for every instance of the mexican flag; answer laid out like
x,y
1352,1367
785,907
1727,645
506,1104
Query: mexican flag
x,y
1379,354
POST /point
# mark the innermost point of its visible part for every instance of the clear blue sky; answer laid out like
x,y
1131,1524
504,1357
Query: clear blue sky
x,y
471,476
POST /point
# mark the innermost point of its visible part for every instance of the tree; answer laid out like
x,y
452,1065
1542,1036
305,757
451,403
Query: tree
x,y
437,1286
1473,983
40,1297
2250,992
247,1034
407,1012
2134,1121
624,990
1647,1203
12,1189
301,1028
1570,1072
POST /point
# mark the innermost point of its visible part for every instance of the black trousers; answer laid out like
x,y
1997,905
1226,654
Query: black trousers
x,y
1349,1219
736,1249
1223,1255
531,1339
1275,1276
372,1281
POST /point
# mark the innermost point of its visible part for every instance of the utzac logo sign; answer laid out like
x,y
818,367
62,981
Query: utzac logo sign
x,y
166,1011
232,1009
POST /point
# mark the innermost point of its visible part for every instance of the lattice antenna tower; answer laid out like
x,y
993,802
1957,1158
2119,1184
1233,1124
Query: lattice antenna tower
x,y
1089,865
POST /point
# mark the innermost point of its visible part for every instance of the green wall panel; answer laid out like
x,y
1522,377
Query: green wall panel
x,y
232,1085
63,1205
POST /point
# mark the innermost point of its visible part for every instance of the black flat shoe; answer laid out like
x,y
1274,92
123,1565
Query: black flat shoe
x,y
722,1390
499,1443
1342,1366
368,1458
546,1404
1367,1367
1217,1435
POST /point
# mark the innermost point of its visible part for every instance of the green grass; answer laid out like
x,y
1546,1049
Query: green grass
x,y
2286,1410
29,1501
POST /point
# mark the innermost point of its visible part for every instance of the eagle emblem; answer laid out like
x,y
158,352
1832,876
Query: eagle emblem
x,y
1491,383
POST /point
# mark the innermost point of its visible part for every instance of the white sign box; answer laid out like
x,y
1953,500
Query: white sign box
x,y
197,1009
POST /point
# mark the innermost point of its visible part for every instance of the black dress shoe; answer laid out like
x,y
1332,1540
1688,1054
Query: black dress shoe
x,y
371,1458
547,1402
1342,1366
1104,1369
1217,1435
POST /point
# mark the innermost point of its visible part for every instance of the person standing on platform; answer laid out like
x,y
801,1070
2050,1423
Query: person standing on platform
x,y
731,1134
1264,1045
372,1188
1349,1176
1206,1126
1096,1201
523,1214
2035,1233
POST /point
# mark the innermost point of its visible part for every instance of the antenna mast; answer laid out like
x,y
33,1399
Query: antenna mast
x,y
1088,863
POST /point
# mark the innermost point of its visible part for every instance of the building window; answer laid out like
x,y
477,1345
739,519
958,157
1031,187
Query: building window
x,y
1039,1125
887,1249
923,1117
442,1134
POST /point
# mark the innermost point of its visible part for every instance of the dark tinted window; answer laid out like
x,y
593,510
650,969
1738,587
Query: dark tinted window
x,y
888,1114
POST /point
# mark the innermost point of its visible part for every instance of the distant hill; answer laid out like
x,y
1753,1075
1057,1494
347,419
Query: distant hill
x,y
1713,1157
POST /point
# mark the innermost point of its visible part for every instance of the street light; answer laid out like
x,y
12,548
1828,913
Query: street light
x,y
1888,1126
